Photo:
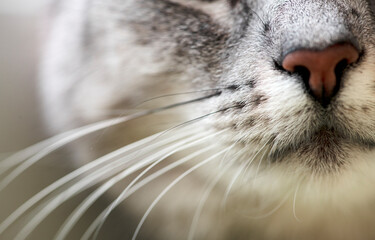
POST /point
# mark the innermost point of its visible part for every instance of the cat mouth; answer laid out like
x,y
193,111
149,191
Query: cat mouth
x,y
324,146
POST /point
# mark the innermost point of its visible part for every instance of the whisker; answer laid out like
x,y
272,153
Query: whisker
x,y
258,167
261,159
65,138
18,157
209,188
144,172
294,203
67,194
141,184
57,142
86,183
82,170
47,146
217,89
179,94
78,212
282,202
239,172
178,179
183,103
225,157
60,141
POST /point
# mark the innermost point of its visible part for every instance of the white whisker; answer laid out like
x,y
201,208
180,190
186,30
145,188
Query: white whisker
x,y
243,168
58,142
86,168
141,184
167,152
186,173
20,156
85,183
70,136
258,167
148,169
222,162
282,202
294,203
261,159
205,196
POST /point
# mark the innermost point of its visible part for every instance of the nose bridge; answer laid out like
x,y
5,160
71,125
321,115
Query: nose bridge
x,y
297,26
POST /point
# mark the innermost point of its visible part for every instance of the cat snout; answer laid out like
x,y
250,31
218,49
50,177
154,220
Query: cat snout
x,y
322,70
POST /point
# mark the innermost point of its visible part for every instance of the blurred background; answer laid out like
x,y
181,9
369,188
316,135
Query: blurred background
x,y
20,45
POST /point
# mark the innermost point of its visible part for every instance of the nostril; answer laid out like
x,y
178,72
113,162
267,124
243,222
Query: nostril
x,y
340,68
339,72
304,74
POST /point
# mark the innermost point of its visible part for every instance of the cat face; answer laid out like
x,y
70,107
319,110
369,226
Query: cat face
x,y
270,104
140,49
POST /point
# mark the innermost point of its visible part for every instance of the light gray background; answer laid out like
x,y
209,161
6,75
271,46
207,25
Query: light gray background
x,y
20,123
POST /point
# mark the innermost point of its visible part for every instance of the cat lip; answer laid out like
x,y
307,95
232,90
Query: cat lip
x,y
327,135
320,141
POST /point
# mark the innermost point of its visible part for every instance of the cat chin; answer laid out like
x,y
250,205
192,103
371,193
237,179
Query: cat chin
x,y
289,198
347,187
324,151
321,152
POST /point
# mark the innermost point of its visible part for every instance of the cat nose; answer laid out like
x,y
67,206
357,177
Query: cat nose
x,y
322,70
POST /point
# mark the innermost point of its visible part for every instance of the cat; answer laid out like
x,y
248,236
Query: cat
x,y
235,119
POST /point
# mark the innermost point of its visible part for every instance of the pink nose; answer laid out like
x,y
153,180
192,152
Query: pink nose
x,y
322,70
